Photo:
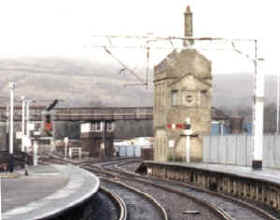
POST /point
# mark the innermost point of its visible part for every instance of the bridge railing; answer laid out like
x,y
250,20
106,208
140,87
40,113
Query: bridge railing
x,y
87,114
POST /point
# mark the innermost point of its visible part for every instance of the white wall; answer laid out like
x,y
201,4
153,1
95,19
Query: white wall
x,y
238,150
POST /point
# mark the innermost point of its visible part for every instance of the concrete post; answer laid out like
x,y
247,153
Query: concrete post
x,y
11,145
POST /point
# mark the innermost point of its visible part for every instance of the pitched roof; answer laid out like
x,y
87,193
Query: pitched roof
x,y
177,64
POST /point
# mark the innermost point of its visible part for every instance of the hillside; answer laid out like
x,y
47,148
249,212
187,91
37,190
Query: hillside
x,y
78,82
83,82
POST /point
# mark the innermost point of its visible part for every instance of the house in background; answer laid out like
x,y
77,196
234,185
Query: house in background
x,y
93,136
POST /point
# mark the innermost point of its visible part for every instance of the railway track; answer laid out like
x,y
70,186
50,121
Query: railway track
x,y
131,202
139,205
178,205
230,207
116,207
181,201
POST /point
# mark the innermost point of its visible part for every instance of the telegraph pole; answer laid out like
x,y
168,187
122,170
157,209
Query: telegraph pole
x,y
11,145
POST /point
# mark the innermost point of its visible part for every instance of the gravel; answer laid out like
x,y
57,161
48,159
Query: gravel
x,y
138,207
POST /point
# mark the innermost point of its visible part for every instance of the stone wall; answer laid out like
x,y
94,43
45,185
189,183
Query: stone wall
x,y
182,90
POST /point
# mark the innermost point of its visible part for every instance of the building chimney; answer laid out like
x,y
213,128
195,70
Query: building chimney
x,y
188,26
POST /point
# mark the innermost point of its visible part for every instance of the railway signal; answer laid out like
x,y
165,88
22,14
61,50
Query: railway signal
x,y
48,125
187,131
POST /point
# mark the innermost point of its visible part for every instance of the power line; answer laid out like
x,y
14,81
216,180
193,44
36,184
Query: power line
x,y
149,41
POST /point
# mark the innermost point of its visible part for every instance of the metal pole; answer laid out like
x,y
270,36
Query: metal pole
x,y
12,87
65,151
188,149
27,118
277,113
23,124
188,141
0,199
104,137
35,153
66,140
27,124
222,128
148,65
258,115
7,125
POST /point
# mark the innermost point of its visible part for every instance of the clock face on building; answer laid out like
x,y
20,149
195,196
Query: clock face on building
x,y
189,99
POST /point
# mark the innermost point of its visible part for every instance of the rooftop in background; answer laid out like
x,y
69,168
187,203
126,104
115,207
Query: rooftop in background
x,y
218,114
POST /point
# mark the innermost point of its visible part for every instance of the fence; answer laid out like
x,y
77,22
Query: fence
x,y
129,151
238,150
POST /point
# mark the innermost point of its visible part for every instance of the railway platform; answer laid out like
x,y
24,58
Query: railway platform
x,y
261,186
265,174
47,191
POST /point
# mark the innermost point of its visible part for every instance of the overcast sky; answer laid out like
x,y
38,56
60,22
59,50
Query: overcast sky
x,y
64,27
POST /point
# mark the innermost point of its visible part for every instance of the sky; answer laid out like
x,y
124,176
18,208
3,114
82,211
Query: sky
x,y
66,27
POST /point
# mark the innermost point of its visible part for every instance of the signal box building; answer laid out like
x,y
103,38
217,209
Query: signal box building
x,y
94,135
182,89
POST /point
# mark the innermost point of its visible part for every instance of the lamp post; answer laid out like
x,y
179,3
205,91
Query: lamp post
x,y
23,124
11,145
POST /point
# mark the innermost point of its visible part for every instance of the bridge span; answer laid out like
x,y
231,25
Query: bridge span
x,y
83,113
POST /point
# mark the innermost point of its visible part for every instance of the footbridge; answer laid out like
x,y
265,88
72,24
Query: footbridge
x,y
83,113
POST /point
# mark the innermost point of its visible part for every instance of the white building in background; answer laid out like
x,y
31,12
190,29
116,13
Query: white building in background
x,y
132,148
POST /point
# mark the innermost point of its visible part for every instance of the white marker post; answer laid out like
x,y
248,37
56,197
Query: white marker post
x,y
11,146
277,101
66,141
23,123
35,153
258,116
188,132
27,122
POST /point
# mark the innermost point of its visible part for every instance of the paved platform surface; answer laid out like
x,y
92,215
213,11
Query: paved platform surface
x,y
266,174
46,191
